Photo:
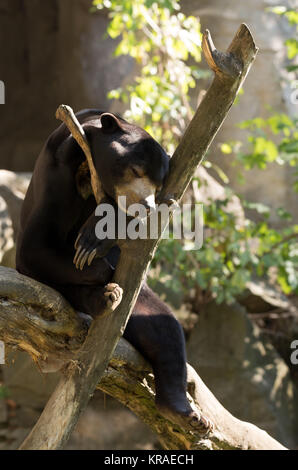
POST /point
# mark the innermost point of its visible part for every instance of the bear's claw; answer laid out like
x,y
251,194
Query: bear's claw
x,y
88,247
201,424
113,295
191,420
89,253
76,244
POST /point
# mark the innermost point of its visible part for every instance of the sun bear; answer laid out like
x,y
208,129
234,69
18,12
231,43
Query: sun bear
x,y
57,244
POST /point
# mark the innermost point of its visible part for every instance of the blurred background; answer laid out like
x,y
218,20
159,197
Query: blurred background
x,y
237,296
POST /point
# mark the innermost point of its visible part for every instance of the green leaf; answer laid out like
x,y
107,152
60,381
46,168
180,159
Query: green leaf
x,y
289,146
226,148
283,214
292,46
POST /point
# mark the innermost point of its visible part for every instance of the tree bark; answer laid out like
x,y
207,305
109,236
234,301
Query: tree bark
x,y
84,371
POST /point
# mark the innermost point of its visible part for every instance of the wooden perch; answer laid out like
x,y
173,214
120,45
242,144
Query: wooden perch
x,y
85,370
37,319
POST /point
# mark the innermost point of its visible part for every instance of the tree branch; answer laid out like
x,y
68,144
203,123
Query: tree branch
x,y
82,374
45,325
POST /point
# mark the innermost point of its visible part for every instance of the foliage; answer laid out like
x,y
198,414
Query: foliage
x,y
230,255
164,42
161,39
291,43
3,392
274,139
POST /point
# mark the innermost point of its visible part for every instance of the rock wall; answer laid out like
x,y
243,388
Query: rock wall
x,y
262,88
52,52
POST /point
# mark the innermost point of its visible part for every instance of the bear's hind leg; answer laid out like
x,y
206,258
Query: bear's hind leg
x,y
158,336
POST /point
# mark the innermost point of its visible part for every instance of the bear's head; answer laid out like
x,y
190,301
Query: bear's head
x,y
127,159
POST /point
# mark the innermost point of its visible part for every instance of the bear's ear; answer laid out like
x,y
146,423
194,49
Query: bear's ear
x,y
109,123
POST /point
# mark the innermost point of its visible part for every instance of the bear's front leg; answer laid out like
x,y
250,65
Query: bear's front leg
x,y
88,246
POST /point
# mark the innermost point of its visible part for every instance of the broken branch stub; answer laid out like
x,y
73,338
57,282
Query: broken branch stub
x,y
212,109
65,114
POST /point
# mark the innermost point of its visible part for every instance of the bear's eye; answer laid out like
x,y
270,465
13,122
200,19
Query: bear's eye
x,y
136,173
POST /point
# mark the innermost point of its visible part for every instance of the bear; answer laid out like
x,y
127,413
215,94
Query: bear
x,y
57,246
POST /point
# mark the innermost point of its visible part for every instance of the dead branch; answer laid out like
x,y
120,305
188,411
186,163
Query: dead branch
x,y
66,114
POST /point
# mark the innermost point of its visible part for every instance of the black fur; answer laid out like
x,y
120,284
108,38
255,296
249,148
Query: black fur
x,y
52,216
